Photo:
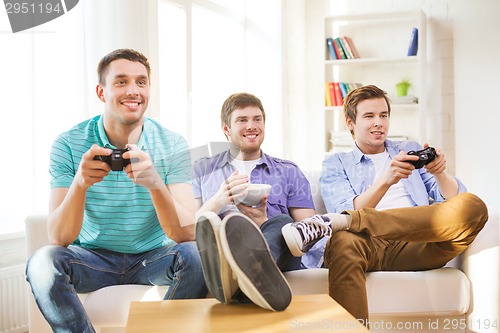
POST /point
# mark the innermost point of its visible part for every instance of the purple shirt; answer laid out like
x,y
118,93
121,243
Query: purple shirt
x,y
290,187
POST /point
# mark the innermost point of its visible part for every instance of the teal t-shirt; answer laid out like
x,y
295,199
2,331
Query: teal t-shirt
x,y
119,214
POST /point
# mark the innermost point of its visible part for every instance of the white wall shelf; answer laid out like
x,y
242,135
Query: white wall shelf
x,y
382,40
361,61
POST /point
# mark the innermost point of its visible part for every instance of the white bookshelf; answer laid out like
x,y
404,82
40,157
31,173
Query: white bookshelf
x,y
382,40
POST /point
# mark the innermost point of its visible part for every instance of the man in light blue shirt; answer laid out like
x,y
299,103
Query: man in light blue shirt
x,y
339,193
386,221
130,224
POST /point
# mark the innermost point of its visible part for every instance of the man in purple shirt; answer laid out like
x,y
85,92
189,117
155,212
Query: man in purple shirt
x,y
242,247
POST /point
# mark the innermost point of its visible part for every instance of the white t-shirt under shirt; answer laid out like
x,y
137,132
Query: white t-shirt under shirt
x,y
396,196
245,167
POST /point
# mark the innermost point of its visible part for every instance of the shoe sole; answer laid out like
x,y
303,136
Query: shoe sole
x,y
216,270
248,255
292,239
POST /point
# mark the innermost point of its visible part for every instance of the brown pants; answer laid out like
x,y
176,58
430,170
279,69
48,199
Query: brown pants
x,y
401,239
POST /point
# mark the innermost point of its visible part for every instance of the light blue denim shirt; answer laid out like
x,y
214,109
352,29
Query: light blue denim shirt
x,y
346,175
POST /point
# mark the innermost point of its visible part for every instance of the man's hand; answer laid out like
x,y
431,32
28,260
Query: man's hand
x,y
141,169
257,214
92,171
231,191
400,168
438,166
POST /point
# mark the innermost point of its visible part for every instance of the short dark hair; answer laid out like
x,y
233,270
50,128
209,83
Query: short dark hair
x,y
239,101
128,54
354,97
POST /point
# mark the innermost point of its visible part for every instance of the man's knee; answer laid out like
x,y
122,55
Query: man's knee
x,y
188,252
480,208
471,209
40,268
346,245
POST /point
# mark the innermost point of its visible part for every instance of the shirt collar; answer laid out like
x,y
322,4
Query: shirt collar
x,y
102,133
265,161
225,158
104,138
359,155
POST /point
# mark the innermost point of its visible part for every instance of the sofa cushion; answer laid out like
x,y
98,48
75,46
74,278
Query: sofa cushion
x,y
444,291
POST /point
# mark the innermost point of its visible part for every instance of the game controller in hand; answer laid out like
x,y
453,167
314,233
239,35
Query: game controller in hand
x,y
425,156
115,160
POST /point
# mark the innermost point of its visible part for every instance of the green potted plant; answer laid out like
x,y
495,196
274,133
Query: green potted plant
x,y
402,87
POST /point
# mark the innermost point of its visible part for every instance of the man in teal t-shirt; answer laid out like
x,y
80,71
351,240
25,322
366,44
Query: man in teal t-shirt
x,y
110,224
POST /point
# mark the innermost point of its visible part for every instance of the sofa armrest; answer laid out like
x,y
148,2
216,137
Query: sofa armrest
x,y
481,263
313,178
36,237
36,232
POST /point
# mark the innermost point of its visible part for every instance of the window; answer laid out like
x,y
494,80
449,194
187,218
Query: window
x,y
211,49
43,84
207,50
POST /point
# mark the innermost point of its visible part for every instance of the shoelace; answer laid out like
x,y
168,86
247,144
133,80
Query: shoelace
x,y
314,228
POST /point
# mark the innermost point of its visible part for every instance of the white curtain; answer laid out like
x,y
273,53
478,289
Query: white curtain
x,y
213,49
43,90
48,84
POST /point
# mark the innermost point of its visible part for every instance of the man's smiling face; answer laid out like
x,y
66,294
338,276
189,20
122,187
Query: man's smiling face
x,y
125,92
247,129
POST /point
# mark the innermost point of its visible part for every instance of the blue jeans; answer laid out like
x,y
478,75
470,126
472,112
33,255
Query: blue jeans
x,y
274,238
56,274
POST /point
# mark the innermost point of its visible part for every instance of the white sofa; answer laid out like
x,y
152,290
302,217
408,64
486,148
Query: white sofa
x,y
398,301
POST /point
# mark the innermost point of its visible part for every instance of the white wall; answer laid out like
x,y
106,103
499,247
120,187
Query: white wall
x,y
477,69
302,75
477,73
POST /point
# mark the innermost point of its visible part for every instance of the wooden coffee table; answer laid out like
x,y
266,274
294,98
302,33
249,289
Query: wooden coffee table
x,y
306,313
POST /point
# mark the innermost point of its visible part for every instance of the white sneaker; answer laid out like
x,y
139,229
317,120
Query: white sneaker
x,y
218,274
248,254
301,236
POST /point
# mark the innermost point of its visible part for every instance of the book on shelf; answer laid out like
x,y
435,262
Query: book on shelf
x,y
332,94
328,96
338,48
341,48
413,47
338,91
346,47
352,47
331,50
344,89
338,94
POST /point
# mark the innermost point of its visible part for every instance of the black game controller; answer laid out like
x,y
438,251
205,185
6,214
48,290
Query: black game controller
x,y
115,160
425,156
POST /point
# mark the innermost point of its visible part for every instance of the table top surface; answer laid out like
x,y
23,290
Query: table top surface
x,y
306,313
